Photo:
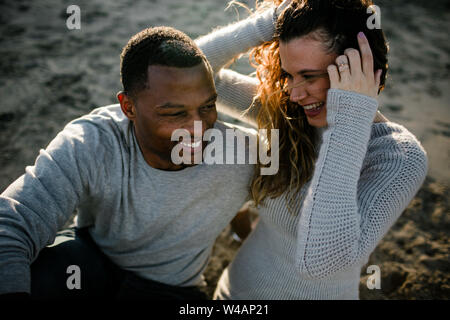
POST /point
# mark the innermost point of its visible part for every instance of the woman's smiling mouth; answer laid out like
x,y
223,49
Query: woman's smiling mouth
x,y
314,109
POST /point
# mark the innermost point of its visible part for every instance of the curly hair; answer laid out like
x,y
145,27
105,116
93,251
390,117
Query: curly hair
x,y
335,23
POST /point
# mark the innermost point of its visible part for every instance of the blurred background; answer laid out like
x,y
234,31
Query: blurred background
x,y
50,75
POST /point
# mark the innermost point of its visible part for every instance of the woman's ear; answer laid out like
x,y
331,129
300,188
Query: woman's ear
x,y
127,105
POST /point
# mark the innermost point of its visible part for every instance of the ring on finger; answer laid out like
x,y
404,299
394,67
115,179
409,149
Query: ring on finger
x,y
342,66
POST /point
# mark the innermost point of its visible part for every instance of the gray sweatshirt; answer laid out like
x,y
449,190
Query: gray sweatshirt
x,y
159,224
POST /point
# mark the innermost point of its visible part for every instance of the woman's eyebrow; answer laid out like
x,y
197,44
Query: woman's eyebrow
x,y
305,71
309,71
302,72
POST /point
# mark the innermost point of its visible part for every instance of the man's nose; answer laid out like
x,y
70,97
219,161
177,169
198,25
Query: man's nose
x,y
298,93
195,126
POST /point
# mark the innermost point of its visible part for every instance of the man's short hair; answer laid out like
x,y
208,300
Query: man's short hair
x,y
164,46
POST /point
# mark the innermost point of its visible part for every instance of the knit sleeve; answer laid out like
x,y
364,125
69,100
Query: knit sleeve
x,y
236,91
358,189
225,43
40,202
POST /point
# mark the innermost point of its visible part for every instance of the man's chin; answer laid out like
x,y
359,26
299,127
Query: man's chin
x,y
193,161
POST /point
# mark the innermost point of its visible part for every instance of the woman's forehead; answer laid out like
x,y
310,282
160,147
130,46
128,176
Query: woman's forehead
x,y
304,53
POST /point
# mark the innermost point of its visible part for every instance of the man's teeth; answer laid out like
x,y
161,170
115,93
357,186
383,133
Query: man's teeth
x,y
312,106
191,145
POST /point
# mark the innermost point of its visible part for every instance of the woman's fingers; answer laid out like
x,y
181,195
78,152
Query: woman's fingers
x,y
354,61
366,54
334,76
354,70
378,78
344,68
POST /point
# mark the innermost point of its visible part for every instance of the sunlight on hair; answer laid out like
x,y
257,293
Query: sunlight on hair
x,y
234,4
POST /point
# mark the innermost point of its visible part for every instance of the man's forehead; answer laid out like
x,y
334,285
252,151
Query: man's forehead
x,y
171,86
175,72
177,98
164,78
181,104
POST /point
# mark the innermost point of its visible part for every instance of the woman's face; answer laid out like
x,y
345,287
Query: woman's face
x,y
301,60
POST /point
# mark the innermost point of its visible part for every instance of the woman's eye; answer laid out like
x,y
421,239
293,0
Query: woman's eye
x,y
313,77
309,77
284,74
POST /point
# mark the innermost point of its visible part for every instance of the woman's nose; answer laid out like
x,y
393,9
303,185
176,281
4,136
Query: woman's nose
x,y
298,93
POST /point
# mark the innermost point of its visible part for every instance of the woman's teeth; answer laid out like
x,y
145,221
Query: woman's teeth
x,y
312,106
191,145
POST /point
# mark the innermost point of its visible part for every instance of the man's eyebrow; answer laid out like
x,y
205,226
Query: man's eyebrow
x,y
170,105
211,99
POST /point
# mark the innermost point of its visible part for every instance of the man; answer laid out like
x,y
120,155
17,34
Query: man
x,y
146,225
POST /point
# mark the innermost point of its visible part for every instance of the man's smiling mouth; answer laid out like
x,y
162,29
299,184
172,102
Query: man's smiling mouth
x,y
195,144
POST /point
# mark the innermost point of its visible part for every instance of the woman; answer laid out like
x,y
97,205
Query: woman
x,y
346,172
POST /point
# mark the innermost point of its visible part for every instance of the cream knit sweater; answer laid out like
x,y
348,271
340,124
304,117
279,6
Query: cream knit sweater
x,y
366,174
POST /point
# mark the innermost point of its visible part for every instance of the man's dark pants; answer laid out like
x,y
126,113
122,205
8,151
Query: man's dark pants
x,y
99,277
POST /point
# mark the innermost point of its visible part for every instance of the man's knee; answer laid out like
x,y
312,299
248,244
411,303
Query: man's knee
x,y
71,268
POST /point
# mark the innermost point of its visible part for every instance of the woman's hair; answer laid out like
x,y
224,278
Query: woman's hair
x,y
334,23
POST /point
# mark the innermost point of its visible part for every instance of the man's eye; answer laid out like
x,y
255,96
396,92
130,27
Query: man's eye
x,y
177,114
208,108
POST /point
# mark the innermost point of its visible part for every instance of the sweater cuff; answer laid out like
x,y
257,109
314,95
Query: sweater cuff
x,y
16,277
350,107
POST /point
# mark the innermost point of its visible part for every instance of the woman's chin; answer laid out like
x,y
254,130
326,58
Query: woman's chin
x,y
318,121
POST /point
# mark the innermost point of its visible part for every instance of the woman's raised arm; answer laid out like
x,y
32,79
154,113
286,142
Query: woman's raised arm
x,y
236,91
365,176
359,188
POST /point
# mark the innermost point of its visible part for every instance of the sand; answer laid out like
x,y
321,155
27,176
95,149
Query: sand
x,y
50,75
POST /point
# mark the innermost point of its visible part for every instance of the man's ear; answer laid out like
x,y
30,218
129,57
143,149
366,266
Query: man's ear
x,y
127,105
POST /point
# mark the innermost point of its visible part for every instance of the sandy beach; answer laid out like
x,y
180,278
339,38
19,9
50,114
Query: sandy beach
x,y
50,75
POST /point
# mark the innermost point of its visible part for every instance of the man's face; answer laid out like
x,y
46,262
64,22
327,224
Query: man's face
x,y
174,99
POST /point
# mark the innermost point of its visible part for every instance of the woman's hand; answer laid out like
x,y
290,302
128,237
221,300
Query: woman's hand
x,y
354,72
